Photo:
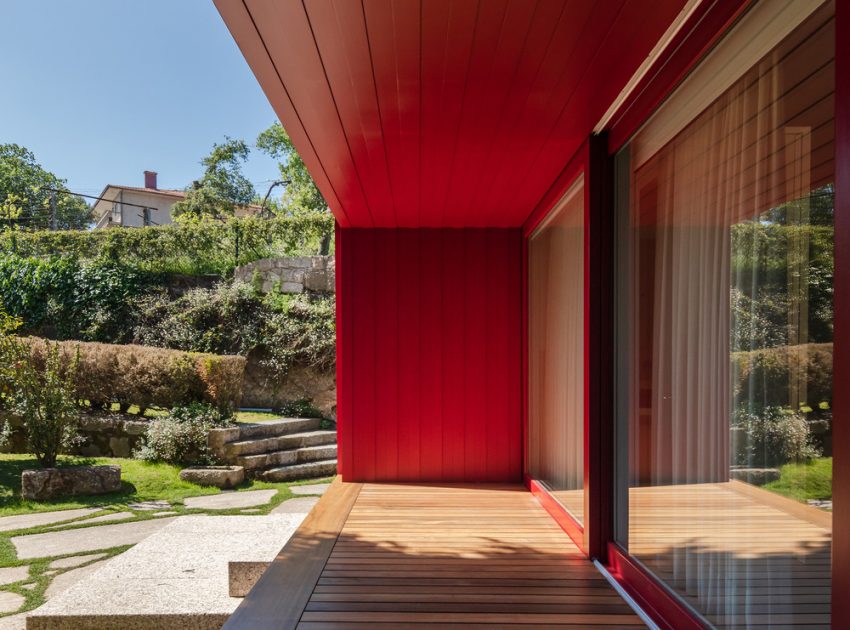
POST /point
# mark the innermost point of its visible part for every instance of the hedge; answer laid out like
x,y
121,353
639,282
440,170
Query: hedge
x,y
763,376
191,247
150,377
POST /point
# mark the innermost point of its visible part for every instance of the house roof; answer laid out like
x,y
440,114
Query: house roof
x,y
177,195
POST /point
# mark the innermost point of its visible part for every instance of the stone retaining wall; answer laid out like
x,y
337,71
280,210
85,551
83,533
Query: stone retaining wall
x,y
103,436
291,274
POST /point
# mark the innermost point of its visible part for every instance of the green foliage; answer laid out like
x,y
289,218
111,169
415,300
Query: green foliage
x,y
181,437
148,377
761,377
223,187
43,393
301,196
772,437
763,256
25,201
193,247
65,299
286,330
810,480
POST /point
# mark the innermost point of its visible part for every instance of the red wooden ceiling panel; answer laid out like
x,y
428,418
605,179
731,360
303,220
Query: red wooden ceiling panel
x,y
344,50
393,29
442,112
448,32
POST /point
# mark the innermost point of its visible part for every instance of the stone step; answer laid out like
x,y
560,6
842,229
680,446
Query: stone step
x,y
286,458
322,468
280,443
218,439
316,453
283,426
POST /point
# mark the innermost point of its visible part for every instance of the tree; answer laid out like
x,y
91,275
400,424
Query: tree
x,y
301,196
223,187
27,195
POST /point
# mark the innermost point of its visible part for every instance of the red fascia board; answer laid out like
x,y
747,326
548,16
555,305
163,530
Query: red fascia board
x,y
703,29
575,167
244,31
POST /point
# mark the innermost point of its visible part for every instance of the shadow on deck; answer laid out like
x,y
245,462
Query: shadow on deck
x,y
399,555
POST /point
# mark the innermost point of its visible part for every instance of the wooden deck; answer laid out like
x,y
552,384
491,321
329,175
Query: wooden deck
x,y
398,556
708,540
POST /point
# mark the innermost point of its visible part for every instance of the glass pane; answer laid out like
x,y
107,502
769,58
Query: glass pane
x,y
556,352
727,253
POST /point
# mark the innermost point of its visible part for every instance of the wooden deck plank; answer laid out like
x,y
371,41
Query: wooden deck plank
x,y
450,555
298,566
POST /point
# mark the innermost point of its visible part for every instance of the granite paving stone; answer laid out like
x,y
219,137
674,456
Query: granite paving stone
x,y
86,539
105,518
299,505
230,500
66,580
25,521
10,602
182,570
10,575
313,488
74,561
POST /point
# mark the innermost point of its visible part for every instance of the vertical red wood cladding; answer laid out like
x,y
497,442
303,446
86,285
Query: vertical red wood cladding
x,y
431,386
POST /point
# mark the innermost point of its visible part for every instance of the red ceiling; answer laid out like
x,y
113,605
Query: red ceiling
x,y
442,112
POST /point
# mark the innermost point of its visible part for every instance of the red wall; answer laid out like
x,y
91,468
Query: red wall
x,y
430,383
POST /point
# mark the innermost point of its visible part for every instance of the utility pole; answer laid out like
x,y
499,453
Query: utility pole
x,y
53,211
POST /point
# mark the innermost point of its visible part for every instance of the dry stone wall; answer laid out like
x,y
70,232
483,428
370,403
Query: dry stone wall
x,y
291,274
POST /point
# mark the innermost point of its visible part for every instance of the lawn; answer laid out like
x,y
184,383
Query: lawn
x,y
142,481
802,482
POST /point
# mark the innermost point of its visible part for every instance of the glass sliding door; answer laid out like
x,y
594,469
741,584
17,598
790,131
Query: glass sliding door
x,y
725,264
556,352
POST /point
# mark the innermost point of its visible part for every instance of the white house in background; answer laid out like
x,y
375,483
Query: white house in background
x,y
132,206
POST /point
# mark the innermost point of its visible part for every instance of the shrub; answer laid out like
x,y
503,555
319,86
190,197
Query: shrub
x,y
181,437
43,394
286,330
762,376
772,437
148,377
66,299
192,247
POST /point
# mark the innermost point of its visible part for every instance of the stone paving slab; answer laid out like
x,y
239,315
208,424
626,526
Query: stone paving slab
x,y
105,518
66,580
25,521
150,505
10,575
299,505
230,500
313,488
176,578
14,622
10,602
74,561
85,539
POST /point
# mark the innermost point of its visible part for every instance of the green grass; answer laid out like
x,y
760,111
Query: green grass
x,y
256,416
141,481
805,481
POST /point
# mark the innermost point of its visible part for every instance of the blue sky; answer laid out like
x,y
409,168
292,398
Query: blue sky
x,y
101,90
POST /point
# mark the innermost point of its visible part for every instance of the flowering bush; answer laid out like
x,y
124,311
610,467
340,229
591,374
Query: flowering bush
x,y
181,437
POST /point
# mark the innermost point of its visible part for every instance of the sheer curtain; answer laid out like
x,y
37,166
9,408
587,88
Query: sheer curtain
x,y
729,352
556,351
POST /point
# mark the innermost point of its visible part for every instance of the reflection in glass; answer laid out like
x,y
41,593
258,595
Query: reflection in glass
x,y
728,362
556,351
